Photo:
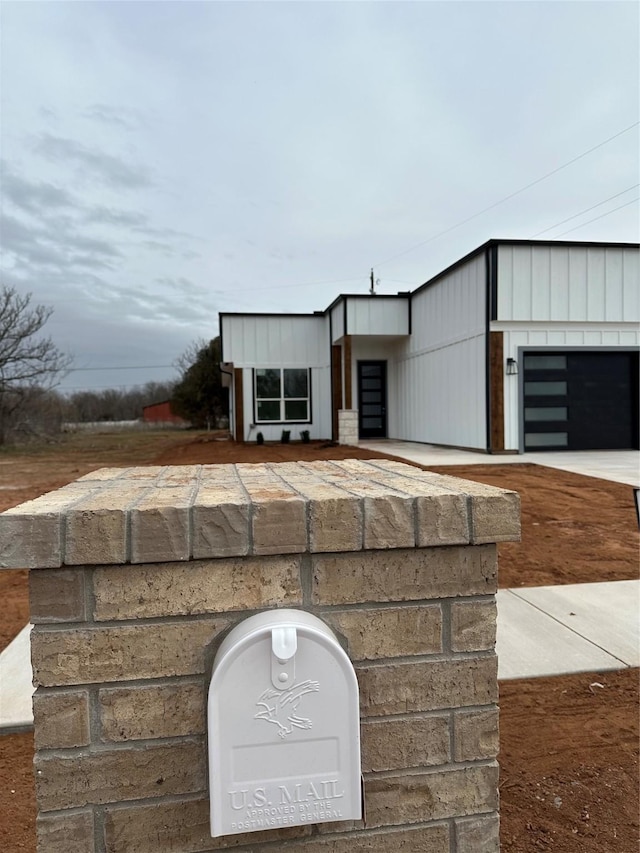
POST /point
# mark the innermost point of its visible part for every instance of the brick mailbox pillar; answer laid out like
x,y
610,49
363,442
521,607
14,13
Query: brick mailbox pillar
x,y
137,575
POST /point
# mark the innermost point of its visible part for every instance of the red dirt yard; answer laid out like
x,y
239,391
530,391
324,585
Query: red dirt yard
x,y
569,757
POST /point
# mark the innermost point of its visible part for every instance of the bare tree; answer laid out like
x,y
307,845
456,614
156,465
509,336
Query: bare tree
x,y
189,357
27,360
115,404
199,396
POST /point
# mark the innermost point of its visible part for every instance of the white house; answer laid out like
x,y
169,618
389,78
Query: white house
x,y
519,345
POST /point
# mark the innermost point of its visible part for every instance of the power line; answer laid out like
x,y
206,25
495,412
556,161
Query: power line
x,y
586,210
124,367
602,216
301,284
510,196
108,387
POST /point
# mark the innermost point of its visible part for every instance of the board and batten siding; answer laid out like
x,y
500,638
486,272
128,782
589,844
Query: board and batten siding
x,y
253,340
377,315
440,369
337,321
577,297
256,340
568,284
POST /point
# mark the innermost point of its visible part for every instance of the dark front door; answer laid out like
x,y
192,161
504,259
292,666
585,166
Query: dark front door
x,y
372,399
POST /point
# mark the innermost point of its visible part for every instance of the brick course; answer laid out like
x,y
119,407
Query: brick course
x,y
207,586
160,508
137,575
61,719
389,632
66,833
121,653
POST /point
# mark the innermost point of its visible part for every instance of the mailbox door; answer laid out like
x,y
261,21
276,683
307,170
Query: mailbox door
x,y
284,745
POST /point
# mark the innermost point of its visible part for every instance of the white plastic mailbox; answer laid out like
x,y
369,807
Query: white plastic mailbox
x,y
284,726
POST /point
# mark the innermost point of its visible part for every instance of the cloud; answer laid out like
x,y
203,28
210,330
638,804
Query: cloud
x,y
164,232
123,117
108,216
157,246
54,244
181,284
111,170
33,196
19,240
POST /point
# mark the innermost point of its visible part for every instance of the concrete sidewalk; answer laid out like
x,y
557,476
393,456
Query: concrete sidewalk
x,y
16,688
621,466
554,630
542,631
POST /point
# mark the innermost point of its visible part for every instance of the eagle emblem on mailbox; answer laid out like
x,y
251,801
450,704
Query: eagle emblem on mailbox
x,y
280,707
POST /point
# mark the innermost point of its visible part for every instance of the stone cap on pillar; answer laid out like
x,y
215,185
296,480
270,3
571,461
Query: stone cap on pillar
x,y
177,513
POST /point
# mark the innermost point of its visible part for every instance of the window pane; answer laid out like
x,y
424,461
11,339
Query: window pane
x,y
267,383
372,423
545,362
268,410
371,410
371,385
370,396
296,410
545,439
545,413
296,382
545,389
371,369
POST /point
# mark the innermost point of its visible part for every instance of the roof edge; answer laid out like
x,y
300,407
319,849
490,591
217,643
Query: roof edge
x,y
589,244
507,241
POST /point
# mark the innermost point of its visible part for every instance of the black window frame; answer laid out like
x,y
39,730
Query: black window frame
x,y
282,399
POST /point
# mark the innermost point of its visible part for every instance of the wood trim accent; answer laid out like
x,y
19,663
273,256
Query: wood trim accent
x,y
348,373
496,390
238,398
336,388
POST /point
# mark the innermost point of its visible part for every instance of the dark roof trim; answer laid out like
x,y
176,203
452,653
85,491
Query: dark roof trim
x,y
589,244
343,296
515,242
374,296
316,314
310,314
460,262
335,302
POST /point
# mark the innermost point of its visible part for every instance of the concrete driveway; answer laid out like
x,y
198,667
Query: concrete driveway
x,y
621,466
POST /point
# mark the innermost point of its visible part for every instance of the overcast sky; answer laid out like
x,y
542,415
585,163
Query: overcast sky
x,y
164,161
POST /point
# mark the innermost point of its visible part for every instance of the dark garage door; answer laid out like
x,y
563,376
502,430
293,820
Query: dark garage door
x,y
580,400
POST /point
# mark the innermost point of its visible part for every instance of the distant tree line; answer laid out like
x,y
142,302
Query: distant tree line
x,y
113,404
31,365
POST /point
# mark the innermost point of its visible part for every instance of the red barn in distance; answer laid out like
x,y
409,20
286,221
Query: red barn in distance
x,y
162,413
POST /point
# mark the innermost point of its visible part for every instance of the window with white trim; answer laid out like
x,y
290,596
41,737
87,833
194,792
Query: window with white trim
x,y
282,394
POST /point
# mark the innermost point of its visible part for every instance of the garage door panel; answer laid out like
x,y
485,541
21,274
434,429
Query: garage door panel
x,y
580,400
